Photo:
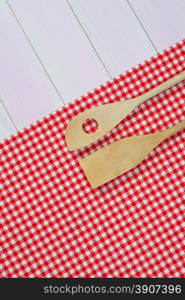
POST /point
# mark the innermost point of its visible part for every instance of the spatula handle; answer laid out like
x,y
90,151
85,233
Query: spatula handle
x,y
172,130
160,88
123,155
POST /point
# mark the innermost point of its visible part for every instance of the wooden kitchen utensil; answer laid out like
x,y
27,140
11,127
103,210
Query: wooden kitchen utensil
x,y
108,116
123,155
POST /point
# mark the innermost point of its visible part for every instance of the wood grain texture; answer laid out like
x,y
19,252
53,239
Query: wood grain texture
x,y
163,20
25,88
61,45
115,33
123,155
7,128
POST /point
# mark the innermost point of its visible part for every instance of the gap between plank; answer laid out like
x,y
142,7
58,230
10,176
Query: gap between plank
x,y
8,114
145,31
31,45
94,48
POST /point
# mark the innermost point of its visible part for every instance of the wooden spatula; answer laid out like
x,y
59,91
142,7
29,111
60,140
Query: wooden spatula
x,y
119,157
108,116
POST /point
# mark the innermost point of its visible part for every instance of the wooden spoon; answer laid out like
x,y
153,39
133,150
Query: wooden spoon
x,y
108,116
123,155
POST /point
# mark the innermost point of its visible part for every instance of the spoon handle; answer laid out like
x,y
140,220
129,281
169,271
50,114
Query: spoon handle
x,y
160,88
108,116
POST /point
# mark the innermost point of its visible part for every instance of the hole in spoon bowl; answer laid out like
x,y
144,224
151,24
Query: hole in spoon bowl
x,y
90,126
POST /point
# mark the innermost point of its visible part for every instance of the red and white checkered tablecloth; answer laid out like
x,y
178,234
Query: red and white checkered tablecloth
x,y
53,224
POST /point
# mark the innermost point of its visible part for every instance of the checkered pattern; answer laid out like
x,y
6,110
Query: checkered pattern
x,y
90,126
53,224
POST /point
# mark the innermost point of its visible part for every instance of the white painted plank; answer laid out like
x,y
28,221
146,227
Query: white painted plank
x,y
115,32
61,44
6,126
26,90
164,20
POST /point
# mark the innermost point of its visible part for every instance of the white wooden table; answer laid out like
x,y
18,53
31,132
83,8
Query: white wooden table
x,y
53,51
